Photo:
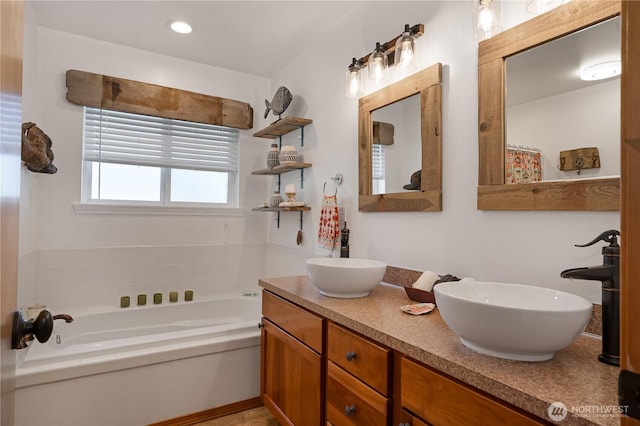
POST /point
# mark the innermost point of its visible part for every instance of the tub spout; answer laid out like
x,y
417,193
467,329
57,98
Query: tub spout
x,y
65,317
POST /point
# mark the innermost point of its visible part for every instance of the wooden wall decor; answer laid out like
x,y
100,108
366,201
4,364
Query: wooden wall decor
x,y
119,94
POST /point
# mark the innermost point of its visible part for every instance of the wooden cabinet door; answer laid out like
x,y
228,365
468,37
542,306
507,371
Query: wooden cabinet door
x,y
291,378
442,401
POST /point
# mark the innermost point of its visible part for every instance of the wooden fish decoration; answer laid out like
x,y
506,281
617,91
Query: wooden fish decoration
x,y
279,103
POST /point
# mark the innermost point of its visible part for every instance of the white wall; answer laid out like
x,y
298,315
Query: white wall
x,y
521,247
83,261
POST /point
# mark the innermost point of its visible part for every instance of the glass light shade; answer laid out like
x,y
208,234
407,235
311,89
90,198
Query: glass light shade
x,y
353,80
377,66
540,6
486,19
405,58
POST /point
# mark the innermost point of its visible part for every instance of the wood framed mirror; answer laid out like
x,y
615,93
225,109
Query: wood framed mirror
x,y
595,194
422,188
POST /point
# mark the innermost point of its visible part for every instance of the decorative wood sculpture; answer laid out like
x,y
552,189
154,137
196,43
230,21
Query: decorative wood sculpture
x,y
36,149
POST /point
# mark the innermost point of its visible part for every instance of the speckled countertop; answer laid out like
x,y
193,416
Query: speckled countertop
x,y
574,376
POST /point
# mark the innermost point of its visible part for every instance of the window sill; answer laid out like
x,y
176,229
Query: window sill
x,y
133,209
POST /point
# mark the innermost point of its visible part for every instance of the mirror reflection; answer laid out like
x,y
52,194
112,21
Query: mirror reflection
x,y
396,141
400,145
549,109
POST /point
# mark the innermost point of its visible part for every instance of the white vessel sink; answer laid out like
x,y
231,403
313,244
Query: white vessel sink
x,y
517,322
345,277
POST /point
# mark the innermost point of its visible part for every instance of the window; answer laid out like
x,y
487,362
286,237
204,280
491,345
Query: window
x,y
377,157
133,158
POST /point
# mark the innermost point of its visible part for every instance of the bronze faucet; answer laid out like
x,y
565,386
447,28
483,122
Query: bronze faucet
x,y
609,274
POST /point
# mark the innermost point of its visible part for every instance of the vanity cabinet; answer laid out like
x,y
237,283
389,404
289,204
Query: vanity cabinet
x,y
358,386
291,362
439,400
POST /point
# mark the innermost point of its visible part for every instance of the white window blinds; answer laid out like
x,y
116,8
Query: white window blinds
x,y
377,160
124,138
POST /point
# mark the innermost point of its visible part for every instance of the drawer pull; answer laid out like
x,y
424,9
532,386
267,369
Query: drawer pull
x,y
404,424
350,410
351,355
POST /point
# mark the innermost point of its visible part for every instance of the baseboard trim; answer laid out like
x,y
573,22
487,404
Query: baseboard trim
x,y
213,413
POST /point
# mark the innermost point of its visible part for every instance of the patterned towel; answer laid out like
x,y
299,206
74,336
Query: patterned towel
x,y
329,230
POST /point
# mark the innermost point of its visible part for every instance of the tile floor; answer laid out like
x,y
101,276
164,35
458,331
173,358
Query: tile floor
x,y
254,417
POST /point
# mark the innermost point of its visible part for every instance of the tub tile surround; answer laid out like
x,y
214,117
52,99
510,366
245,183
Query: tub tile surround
x,y
574,376
84,279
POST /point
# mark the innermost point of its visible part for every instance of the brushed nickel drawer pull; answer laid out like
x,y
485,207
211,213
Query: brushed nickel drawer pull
x,y
350,410
351,355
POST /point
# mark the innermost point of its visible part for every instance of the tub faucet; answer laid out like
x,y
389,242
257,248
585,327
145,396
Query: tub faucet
x,y
609,274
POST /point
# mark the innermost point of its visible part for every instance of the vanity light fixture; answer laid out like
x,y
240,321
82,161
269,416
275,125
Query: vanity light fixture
x,y
353,79
180,27
601,71
486,19
378,64
385,53
405,57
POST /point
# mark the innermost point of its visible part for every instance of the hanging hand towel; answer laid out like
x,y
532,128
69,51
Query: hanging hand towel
x,y
329,230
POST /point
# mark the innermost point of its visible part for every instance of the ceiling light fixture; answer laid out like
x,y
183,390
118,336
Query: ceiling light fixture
x,y
601,71
180,27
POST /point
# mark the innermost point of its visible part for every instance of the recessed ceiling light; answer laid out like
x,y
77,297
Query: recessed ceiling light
x,y
180,27
601,71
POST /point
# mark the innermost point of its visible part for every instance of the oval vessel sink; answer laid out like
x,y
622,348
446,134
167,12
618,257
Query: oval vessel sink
x,y
512,321
345,277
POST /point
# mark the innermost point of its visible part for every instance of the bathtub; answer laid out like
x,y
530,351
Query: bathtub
x,y
138,365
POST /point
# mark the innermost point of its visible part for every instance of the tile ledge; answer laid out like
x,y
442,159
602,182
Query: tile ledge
x,y
137,209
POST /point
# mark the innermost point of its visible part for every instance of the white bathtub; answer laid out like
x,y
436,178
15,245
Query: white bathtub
x,y
139,365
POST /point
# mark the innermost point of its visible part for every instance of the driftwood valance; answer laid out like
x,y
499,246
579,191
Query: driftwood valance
x,y
119,94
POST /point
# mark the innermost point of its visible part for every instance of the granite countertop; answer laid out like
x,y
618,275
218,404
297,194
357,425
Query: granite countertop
x,y
573,377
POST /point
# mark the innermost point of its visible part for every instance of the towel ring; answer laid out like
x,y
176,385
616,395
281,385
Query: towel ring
x,y
325,187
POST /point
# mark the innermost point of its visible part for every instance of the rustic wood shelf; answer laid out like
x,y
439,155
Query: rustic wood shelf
x,y
282,127
281,209
282,168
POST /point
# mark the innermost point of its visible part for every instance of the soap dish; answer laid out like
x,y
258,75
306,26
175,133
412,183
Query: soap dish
x,y
421,296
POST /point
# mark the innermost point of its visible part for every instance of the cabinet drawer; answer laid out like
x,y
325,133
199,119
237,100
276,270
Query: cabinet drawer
x,y
351,402
359,356
442,401
301,324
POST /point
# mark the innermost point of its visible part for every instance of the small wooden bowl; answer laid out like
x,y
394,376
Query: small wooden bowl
x,y
420,295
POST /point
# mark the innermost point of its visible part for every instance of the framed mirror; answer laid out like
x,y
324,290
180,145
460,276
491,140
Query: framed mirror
x,y
400,145
494,57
